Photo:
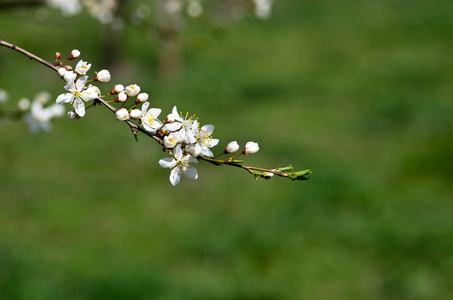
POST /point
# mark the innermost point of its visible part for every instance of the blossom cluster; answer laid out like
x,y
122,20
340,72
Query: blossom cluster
x,y
37,113
103,10
180,135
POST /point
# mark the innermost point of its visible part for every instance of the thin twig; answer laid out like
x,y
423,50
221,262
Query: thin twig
x,y
28,54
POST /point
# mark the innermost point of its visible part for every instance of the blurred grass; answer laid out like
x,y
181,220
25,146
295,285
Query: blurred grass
x,y
359,92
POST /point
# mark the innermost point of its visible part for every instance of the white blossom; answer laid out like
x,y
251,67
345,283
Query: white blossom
x,y
203,138
78,93
184,125
179,164
173,139
149,118
82,67
39,117
68,7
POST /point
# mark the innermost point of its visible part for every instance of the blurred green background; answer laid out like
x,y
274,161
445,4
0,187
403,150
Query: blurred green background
x,y
358,91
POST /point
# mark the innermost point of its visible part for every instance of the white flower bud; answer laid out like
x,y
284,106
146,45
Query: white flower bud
x,y
132,90
70,76
170,118
72,115
122,97
122,114
232,147
74,54
118,88
250,148
142,97
194,149
82,67
136,114
103,76
62,71
3,96
23,104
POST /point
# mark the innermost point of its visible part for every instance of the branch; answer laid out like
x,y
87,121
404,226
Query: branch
x,y
28,54
184,141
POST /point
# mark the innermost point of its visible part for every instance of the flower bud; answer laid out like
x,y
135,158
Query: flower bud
x,y
117,88
72,115
62,71
132,90
170,118
194,149
74,54
142,97
57,55
122,114
122,97
70,76
82,67
68,68
231,147
136,114
3,96
23,104
103,76
250,148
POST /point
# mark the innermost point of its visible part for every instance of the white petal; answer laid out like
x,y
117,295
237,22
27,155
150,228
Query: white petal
x,y
81,82
195,126
209,129
167,162
155,112
173,126
70,86
190,137
174,112
191,172
145,107
212,142
175,176
64,98
79,107
207,152
178,152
